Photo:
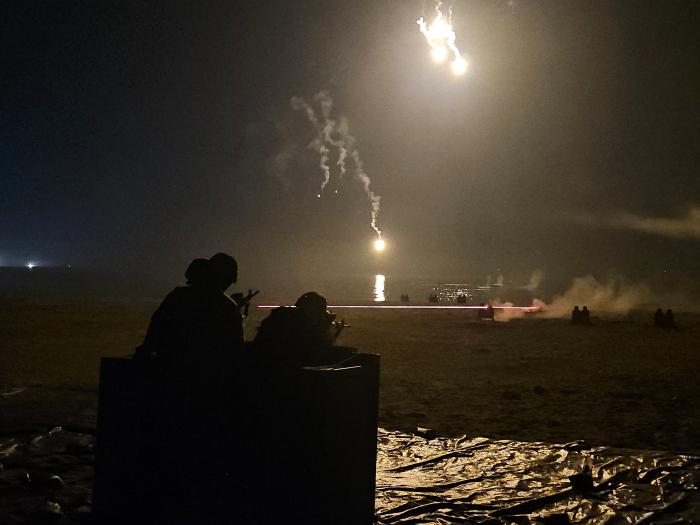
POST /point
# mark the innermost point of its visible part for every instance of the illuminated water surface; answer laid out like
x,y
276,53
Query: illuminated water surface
x,y
379,296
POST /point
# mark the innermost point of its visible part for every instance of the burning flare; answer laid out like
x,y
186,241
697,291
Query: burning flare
x,y
441,38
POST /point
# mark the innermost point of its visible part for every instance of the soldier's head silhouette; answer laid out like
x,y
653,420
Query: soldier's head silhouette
x,y
311,305
197,272
223,271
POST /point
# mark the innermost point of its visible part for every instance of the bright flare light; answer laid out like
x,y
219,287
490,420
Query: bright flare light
x,y
30,265
441,38
459,66
439,54
379,245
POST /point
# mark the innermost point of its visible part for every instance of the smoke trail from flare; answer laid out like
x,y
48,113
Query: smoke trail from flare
x,y
329,126
336,134
318,144
441,38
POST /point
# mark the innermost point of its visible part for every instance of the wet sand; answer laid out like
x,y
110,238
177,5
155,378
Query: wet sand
x,y
621,382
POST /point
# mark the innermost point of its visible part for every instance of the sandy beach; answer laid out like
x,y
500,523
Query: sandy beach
x,y
620,382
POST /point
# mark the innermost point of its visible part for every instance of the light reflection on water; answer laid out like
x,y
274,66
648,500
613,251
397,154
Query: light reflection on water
x,y
379,296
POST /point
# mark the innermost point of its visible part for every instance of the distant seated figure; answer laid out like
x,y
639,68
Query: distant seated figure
x,y
669,319
659,318
197,323
576,315
489,312
302,335
585,316
433,298
461,299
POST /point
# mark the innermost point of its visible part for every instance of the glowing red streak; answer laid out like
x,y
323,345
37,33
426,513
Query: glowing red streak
x,y
422,307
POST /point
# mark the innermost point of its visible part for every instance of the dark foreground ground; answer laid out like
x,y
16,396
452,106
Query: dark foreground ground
x,y
620,382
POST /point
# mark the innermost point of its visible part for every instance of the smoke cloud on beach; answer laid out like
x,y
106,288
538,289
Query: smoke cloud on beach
x,y
612,296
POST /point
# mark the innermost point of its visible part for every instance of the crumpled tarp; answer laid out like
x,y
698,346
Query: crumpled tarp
x,y
441,480
480,480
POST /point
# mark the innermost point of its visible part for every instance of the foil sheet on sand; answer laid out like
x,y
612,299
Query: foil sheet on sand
x,y
441,480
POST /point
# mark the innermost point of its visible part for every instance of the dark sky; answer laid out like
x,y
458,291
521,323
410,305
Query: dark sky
x,y
143,134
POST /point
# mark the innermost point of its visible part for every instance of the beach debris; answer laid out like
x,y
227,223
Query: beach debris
x,y
12,392
41,480
427,433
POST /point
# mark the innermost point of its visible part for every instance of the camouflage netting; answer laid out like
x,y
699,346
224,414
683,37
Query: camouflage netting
x,y
48,478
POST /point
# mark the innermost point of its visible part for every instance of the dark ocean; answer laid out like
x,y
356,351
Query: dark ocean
x,y
355,289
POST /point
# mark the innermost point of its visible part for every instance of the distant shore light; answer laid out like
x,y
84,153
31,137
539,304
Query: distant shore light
x,y
31,265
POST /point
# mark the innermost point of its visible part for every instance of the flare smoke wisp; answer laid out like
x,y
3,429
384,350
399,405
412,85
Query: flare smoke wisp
x,y
336,135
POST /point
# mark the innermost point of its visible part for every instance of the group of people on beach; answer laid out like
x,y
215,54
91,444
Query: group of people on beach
x,y
664,320
581,317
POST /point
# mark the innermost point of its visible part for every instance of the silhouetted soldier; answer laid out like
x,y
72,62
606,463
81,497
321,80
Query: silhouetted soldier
x,y
300,336
585,316
461,299
195,334
198,323
659,317
576,315
669,319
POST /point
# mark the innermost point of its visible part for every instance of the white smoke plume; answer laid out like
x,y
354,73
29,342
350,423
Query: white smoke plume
x,y
535,280
687,226
329,127
331,133
613,296
318,143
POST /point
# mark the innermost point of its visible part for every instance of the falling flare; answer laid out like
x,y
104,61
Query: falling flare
x,y
459,66
441,38
379,245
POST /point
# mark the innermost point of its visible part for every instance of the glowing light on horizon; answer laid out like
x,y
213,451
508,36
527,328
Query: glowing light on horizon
x,y
379,281
31,265
379,245
441,38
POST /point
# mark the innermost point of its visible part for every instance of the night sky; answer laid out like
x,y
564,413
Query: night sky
x,y
143,134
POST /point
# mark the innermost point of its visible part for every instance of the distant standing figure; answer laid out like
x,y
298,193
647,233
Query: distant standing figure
x,y
576,315
669,320
659,318
585,316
